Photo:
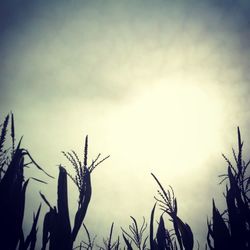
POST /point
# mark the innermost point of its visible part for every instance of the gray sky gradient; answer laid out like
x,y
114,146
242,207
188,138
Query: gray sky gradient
x,y
158,85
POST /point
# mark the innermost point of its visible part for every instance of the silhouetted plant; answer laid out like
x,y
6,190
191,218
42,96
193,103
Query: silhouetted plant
x,y
12,193
5,157
226,231
89,244
231,230
182,231
135,235
82,169
108,244
57,227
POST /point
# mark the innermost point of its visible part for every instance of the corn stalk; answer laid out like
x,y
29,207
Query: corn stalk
x,y
13,188
182,232
57,229
231,230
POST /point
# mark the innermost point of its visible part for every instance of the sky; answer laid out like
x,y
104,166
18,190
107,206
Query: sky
x,y
160,86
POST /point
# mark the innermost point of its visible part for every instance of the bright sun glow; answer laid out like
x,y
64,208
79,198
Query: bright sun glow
x,y
173,121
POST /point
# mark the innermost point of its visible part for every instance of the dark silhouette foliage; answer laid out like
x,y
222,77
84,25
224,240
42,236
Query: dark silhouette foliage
x,y
12,193
231,230
57,229
226,231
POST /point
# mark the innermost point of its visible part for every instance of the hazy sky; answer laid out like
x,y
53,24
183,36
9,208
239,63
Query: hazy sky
x,y
159,85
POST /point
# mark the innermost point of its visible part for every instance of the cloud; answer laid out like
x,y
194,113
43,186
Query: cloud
x,y
116,70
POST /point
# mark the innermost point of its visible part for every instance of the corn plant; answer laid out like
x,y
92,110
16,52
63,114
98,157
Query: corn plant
x,y
226,231
182,236
13,188
57,227
108,244
231,230
136,235
89,244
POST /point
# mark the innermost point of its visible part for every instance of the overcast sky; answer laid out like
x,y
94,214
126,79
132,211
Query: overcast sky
x,y
159,85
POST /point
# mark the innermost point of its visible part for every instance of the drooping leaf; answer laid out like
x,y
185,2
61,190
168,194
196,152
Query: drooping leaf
x,y
26,152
